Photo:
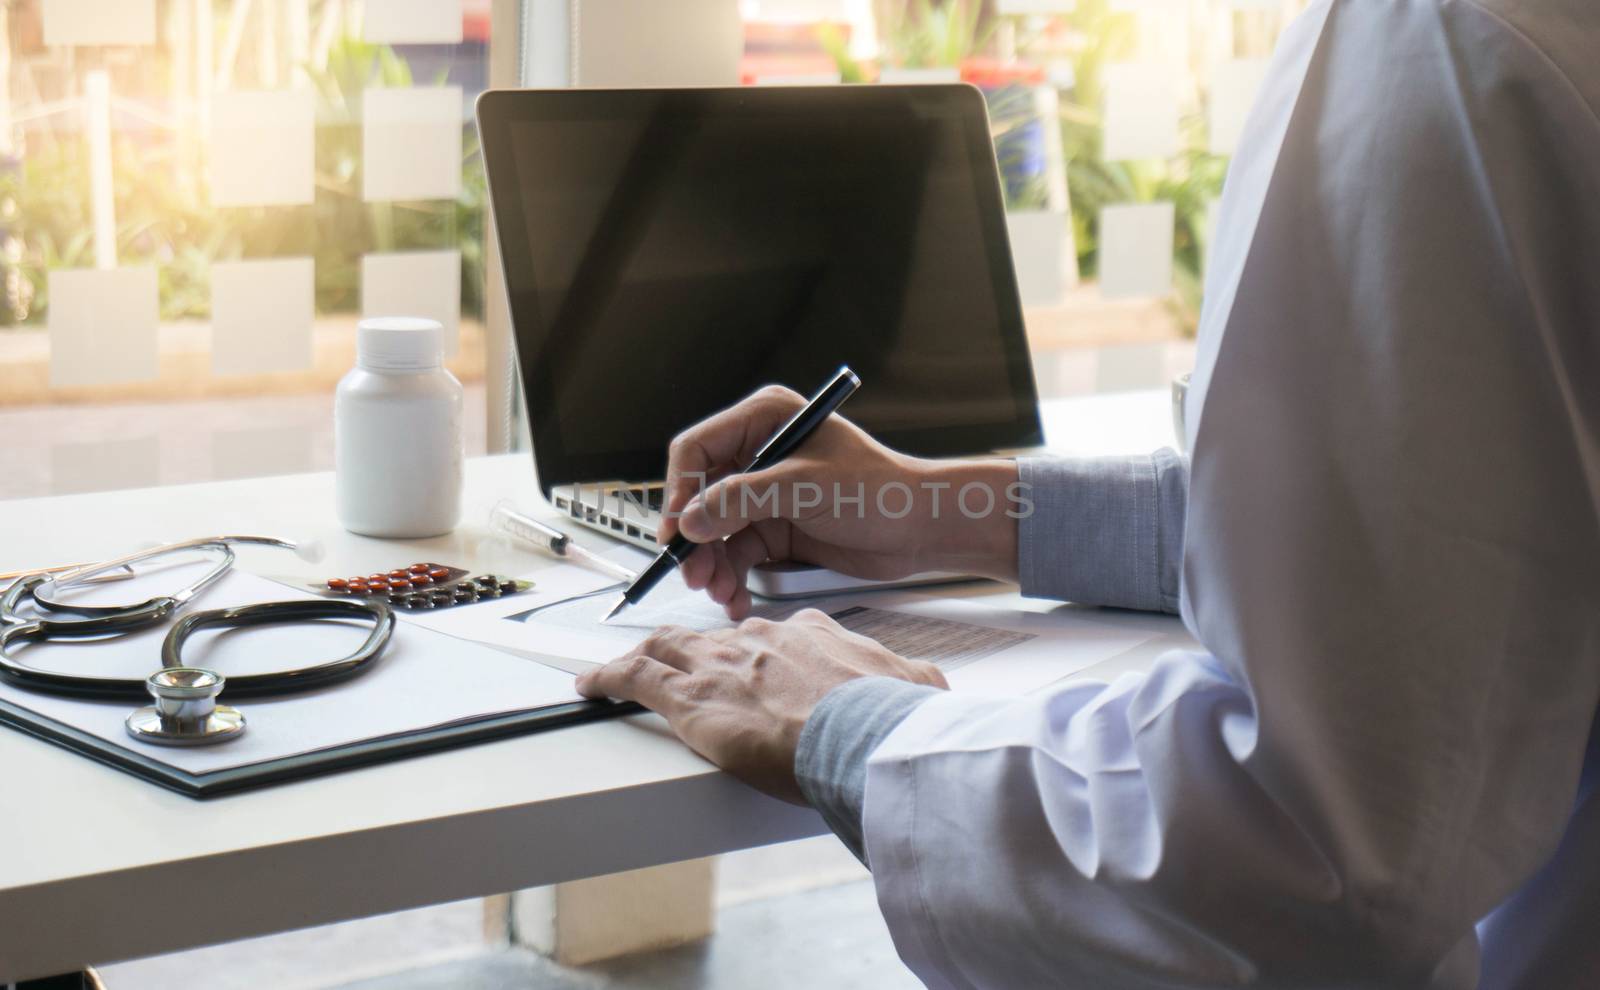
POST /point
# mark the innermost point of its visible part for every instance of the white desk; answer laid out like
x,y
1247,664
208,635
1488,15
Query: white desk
x,y
99,866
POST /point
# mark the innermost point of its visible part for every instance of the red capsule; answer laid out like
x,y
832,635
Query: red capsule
x,y
380,585
393,575
337,583
439,573
419,568
418,580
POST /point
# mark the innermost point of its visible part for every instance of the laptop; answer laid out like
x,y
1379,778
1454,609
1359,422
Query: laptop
x,y
668,251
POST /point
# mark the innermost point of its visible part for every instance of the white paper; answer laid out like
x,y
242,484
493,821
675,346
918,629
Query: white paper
x,y
1043,648
424,679
261,315
263,148
99,22
980,648
105,465
412,22
411,143
415,283
1141,111
103,326
1233,92
1136,250
682,43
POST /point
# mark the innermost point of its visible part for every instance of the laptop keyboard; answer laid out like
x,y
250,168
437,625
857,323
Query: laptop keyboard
x,y
629,513
652,497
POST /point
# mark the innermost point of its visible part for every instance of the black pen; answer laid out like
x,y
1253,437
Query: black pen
x,y
783,443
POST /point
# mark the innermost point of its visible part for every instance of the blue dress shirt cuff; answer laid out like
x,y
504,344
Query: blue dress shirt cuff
x,y
1104,530
830,762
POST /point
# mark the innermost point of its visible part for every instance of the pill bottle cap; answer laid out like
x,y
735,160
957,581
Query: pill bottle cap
x,y
399,343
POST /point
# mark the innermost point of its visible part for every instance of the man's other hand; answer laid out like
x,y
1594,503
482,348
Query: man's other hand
x,y
739,697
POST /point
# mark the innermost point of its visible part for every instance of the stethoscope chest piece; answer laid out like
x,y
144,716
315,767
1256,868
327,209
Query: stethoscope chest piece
x,y
185,712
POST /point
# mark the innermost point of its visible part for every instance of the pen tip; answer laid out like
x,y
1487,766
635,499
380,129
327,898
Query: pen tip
x,y
622,603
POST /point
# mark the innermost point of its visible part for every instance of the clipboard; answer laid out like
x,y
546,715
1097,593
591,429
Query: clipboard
x,y
430,691
368,752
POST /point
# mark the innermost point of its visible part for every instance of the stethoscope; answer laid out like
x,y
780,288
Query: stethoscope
x,y
185,710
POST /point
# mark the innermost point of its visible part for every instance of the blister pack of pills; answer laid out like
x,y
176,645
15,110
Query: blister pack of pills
x,y
423,586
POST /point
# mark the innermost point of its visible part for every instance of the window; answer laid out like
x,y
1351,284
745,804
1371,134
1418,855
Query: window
x,y
199,199
1113,121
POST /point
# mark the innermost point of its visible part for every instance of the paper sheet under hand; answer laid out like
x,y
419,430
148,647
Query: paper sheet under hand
x,y
980,648
424,679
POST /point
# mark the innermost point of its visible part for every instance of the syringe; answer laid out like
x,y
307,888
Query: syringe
x,y
506,518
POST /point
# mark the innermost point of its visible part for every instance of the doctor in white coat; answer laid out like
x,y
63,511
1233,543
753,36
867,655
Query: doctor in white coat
x,y
1384,768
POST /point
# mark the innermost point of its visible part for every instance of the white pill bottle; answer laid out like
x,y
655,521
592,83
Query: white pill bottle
x,y
397,444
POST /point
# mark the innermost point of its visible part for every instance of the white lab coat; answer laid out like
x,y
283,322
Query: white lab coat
x,y
1392,559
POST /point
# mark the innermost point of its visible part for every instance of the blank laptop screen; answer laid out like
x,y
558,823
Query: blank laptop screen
x,y
668,251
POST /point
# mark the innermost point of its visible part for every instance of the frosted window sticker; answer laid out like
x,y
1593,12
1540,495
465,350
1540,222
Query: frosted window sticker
x,y
799,79
261,316
1233,91
99,22
262,148
683,43
105,465
261,453
415,283
891,76
102,326
1141,111
411,143
412,22
1136,250
1009,7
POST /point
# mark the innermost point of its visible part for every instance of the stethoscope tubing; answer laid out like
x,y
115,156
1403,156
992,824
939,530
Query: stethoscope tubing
x,y
104,620
299,678
238,686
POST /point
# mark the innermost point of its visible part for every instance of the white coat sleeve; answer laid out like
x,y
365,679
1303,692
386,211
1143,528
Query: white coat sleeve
x,y
1392,559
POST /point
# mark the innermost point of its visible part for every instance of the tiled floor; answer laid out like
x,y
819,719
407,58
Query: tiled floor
x,y
784,907
831,937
